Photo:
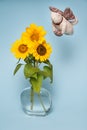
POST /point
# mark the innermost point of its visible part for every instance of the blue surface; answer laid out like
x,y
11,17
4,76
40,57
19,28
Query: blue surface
x,y
69,58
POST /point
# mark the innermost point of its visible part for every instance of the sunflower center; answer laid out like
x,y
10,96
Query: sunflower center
x,y
35,36
23,48
41,50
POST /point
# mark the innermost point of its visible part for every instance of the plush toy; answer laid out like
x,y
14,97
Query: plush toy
x,y
62,22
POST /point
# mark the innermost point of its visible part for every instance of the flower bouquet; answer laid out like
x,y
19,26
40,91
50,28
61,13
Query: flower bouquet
x,y
34,51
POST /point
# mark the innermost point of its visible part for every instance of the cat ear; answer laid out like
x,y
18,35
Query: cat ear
x,y
68,14
56,10
53,9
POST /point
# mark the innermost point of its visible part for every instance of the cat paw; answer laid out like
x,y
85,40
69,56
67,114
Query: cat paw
x,y
58,33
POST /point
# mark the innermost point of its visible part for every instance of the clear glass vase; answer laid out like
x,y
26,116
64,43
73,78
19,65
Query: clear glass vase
x,y
34,103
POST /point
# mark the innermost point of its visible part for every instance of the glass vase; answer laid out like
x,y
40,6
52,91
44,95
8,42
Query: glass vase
x,y
34,103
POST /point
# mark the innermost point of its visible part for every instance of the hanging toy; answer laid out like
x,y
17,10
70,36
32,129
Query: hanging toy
x,y
62,22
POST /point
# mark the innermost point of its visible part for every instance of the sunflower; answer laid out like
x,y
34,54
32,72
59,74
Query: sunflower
x,y
42,51
21,49
34,33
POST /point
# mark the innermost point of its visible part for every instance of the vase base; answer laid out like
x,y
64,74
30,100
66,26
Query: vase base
x,y
36,113
41,105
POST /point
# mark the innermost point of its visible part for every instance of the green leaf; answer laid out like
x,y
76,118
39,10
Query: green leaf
x,y
26,60
45,74
17,68
37,83
48,63
30,71
34,75
48,71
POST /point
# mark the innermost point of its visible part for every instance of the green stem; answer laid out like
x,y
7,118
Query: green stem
x,y
35,63
41,102
32,98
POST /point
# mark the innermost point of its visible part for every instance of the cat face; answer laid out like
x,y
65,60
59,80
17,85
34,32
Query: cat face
x,y
56,17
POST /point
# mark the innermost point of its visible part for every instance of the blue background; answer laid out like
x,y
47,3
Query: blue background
x,y
69,59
